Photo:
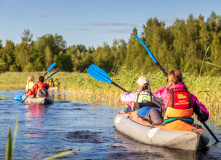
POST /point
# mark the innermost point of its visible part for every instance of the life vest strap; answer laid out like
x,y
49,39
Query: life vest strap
x,y
148,97
170,119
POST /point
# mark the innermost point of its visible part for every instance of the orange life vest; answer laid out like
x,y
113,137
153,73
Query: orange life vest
x,y
178,113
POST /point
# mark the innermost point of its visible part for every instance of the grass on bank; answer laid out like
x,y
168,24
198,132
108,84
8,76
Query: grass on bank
x,y
79,85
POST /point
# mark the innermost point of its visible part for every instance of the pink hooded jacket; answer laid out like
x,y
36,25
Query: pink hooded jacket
x,y
164,94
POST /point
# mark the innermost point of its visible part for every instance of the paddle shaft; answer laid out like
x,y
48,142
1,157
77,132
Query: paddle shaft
x,y
210,131
158,64
51,75
161,68
25,98
119,86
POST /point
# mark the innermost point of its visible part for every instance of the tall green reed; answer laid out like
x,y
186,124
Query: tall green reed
x,y
82,86
10,145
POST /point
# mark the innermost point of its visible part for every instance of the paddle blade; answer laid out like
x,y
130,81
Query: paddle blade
x,y
51,75
98,73
18,97
149,52
49,68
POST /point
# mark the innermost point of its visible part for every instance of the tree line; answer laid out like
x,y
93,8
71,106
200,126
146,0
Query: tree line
x,y
192,45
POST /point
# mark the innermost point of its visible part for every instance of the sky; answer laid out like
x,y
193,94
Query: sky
x,y
93,22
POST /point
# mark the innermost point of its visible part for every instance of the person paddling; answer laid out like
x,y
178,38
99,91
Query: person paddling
x,y
39,89
51,83
143,101
30,82
56,83
178,101
144,93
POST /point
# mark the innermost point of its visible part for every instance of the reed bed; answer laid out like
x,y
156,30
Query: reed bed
x,y
82,87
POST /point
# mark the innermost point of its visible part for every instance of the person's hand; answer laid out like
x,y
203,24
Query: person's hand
x,y
129,92
200,119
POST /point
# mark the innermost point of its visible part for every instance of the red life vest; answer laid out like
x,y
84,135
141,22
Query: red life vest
x,y
180,98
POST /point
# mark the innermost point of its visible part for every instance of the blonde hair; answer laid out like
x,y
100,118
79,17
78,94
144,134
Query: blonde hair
x,y
146,86
174,77
30,79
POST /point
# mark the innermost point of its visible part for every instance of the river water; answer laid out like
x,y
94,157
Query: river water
x,y
86,129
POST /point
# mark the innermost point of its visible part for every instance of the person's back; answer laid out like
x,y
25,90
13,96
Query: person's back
x,y
178,102
140,95
56,83
51,83
143,101
30,82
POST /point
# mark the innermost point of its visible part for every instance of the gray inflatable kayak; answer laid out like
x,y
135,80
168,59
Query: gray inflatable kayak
x,y
187,136
30,100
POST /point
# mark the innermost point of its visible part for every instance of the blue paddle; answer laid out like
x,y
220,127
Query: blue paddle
x,y
151,55
48,70
100,75
158,64
18,97
52,75
50,67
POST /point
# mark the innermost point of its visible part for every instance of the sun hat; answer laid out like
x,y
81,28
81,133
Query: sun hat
x,y
142,81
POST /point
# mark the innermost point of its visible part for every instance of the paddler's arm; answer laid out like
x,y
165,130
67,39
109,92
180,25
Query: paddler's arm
x,y
199,109
128,97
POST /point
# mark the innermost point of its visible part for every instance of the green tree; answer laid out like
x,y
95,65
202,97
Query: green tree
x,y
48,57
131,53
64,62
118,51
215,54
8,54
180,42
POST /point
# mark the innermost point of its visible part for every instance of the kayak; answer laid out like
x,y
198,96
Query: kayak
x,y
30,100
155,152
176,134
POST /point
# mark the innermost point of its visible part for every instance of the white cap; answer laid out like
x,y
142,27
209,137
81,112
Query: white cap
x,y
142,80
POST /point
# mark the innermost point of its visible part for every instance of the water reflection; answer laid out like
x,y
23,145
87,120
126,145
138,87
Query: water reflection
x,y
59,95
35,120
88,129
35,128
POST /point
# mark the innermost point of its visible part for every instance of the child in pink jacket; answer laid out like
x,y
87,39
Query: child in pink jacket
x,y
175,80
144,93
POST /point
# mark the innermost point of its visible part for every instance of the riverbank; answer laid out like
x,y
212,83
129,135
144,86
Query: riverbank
x,y
79,85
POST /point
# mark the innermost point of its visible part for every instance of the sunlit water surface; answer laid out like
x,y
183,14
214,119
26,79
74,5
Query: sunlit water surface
x,y
86,129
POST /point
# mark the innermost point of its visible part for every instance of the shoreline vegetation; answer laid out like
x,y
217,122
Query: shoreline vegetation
x,y
191,45
78,85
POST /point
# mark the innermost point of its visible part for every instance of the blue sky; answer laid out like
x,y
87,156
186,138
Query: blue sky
x,y
93,22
